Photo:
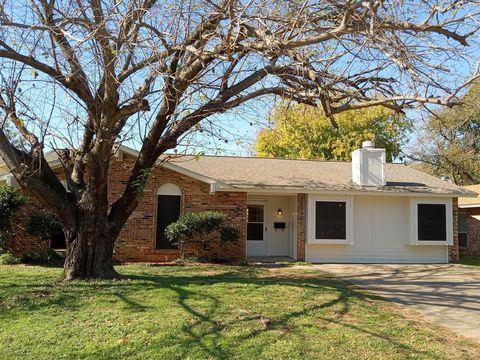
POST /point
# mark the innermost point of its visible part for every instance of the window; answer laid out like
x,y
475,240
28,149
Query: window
x,y
168,211
57,241
431,222
330,219
255,222
462,230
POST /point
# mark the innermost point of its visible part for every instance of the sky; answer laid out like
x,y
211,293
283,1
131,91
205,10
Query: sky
x,y
234,132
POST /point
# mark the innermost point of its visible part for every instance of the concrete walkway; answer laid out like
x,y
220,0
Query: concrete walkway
x,y
448,294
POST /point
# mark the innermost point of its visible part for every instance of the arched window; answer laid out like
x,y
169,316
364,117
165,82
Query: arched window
x,y
169,199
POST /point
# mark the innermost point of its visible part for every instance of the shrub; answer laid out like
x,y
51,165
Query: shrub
x,y
194,223
42,225
9,259
229,232
11,199
43,257
201,227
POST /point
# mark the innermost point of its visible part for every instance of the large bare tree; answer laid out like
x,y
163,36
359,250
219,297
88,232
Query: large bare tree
x,y
82,75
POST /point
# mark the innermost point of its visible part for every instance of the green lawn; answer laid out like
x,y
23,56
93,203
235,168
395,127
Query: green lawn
x,y
470,260
209,312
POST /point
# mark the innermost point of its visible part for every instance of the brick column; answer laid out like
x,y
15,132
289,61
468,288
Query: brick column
x,y
301,205
473,233
453,252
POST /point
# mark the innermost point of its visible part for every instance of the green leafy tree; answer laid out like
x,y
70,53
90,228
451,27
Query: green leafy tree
x,y
449,145
304,132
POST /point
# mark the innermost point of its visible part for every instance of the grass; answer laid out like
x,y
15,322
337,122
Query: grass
x,y
470,260
209,312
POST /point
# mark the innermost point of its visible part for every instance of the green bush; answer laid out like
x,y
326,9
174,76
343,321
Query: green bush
x,y
9,259
43,257
200,228
11,199
192,224
42,225
229,232
5,237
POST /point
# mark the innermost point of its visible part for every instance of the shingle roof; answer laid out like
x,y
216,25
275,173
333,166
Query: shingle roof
x,y
471,201
310,175
245,173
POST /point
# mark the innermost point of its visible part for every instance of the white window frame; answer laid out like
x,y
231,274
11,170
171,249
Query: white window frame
x,y
311,218
414,202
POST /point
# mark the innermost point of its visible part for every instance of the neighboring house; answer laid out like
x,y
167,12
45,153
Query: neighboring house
x,y
366,211
469,223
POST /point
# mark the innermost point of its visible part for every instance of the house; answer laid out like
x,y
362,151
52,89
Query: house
x,y
364,211
469,223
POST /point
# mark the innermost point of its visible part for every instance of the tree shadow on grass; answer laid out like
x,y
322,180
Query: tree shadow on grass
x,y
205,327
205,330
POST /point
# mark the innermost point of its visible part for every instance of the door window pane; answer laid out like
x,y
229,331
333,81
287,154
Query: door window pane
x,y
432,222
255,222
255,231
255,213
330,220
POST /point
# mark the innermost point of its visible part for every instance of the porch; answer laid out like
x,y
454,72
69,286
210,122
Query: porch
x,y
274,227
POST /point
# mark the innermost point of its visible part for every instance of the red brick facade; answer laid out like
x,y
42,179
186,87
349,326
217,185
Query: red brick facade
x,y
301,222
137,239
473,232
23,242
453,250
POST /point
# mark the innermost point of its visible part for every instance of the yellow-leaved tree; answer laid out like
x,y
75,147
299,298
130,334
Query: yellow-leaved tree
x,y
304,132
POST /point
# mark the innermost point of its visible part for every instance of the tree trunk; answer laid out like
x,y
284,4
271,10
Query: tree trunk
x,y
90,248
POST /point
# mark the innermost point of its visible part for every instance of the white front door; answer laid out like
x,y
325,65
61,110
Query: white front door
x,y
256,234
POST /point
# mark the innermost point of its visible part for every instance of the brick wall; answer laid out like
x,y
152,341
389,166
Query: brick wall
x,y
301,206
24,243
453,250
473,232
137,239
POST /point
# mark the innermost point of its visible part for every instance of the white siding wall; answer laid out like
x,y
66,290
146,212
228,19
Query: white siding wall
x,y
381,231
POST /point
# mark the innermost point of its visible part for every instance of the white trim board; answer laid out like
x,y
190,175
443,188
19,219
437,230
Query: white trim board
x,y
469,206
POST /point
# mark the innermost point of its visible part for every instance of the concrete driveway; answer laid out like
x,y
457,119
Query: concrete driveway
x,y
448,294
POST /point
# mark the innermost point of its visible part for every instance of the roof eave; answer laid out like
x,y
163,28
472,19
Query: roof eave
x,y
468,206
293,190
215,185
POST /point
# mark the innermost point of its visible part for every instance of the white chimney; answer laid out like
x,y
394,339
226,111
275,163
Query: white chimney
x,y
368,165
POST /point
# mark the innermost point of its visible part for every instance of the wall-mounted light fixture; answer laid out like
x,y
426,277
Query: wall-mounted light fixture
x,y
279,212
